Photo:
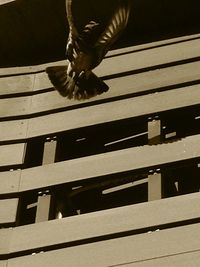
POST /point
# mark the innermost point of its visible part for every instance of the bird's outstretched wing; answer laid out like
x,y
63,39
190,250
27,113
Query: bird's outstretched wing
x,y
72,28
72,45
87,85
115,27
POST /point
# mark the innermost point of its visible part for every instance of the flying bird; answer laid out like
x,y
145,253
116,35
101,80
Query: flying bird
x,y
84,51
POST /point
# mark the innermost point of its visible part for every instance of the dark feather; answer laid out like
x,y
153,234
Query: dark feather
x,y
82,87
59,78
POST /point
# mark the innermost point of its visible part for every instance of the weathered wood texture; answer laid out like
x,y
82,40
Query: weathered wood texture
x,y
123,250
105,164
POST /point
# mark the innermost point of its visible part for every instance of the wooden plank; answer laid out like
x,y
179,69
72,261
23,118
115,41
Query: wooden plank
x,y
16,84
109,163
43,207
10,71
154,186
8,210
104,164
105,223
154,132
148,58
5,238
151,45
117,110
4,263
9,182
126,85
49,151
120,250
184,260
12,154
15,106
44,198
38,68
13,130
2,2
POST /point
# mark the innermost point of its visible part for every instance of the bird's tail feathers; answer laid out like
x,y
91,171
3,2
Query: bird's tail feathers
x,y
61,81
89,85
84,86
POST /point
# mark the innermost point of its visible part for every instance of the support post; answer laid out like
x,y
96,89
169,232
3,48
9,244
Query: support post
x,y
44,198
43,207
154,130
49,151
154,185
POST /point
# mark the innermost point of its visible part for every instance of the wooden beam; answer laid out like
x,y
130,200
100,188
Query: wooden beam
x,y
153,57
2,2
105,223
9,181
108,112
84,169
109,163
34,69
139,83
49,151
44,198
9,129
43,208
154,131
130,249
12,154
154,186
8,210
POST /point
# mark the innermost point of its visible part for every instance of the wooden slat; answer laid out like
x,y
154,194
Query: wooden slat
x,y
108,163
131,84
12,154
38,68
3,263
43,207
5,238
105,223
154,186
10,71
149,58
44,199
16,84
120,250
11,129
15,106
2,2
152,45
184,260
114,111
9,182
8,210
121,63
102,113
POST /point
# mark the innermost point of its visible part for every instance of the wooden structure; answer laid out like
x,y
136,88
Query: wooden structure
x,y
111,181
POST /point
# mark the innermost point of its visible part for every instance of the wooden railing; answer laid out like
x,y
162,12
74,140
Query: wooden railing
x,y
147,128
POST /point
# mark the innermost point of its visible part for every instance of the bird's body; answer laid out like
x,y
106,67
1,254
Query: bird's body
x,y
85,50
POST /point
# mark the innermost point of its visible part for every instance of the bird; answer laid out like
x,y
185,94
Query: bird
x,y
85,50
